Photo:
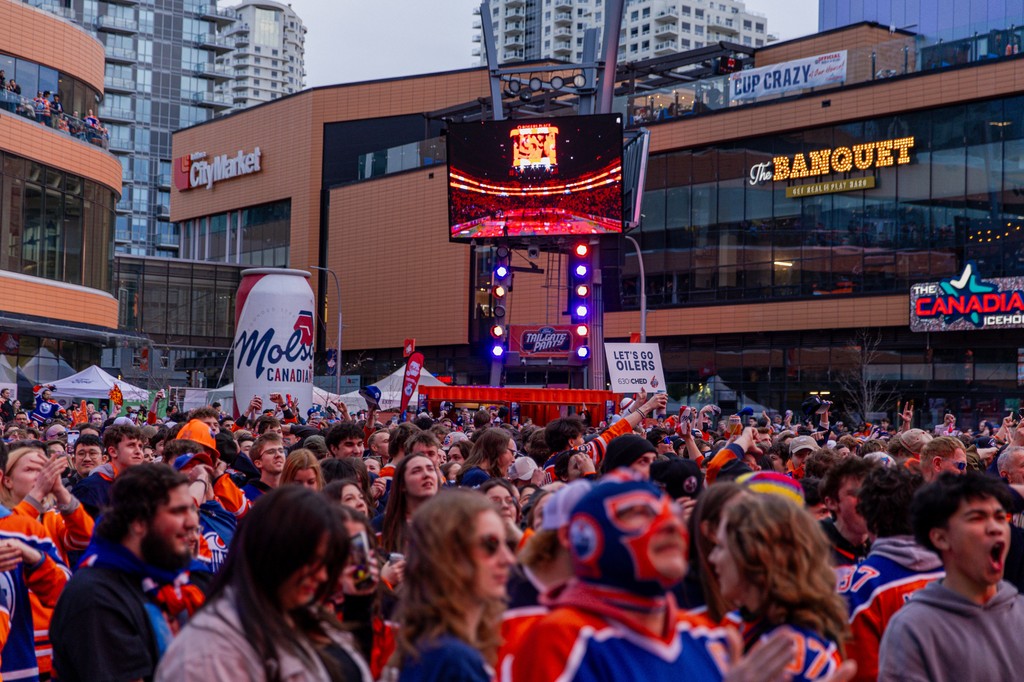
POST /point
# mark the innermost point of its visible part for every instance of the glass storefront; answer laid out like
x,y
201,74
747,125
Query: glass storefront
x,y
709,235
54,224
258,236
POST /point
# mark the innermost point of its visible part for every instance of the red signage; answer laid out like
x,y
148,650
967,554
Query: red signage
x,y
408,347
544,340
412,377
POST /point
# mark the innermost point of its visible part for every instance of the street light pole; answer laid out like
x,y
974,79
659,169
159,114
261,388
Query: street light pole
x,y
643,290
337,290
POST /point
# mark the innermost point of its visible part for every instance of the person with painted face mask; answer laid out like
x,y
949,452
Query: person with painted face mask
x,y
616,617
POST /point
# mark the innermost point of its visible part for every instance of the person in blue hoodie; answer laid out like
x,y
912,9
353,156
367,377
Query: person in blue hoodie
x,y
965,626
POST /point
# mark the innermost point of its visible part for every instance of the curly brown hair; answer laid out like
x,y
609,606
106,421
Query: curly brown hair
x,y
434,599
782,550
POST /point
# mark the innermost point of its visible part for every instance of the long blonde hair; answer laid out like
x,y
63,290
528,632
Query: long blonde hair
x,y
301,460
434,600
781,550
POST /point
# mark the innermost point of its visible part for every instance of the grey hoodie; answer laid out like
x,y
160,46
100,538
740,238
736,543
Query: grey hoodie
x,y
940,635
904,551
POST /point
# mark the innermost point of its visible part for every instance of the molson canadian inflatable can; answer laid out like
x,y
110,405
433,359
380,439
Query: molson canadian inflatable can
x,y
273,347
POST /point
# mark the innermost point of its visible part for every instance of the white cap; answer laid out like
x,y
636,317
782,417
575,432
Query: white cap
x,y
558,510
522,469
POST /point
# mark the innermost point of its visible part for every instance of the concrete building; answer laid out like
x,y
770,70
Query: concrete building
x,y
536,29
268,60
58,188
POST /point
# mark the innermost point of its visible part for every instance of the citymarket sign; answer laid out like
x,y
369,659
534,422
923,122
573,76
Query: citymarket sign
x,y
799,74
858,157
967,303
195,170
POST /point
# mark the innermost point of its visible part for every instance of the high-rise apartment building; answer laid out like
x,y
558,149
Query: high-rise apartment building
x,y
536,29
268,58
160,74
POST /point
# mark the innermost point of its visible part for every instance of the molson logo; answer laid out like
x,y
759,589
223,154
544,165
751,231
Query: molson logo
x,y
860,157
195,171
967,302
256,346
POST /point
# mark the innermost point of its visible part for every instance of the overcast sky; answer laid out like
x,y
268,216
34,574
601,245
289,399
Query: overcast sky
x,y
355,40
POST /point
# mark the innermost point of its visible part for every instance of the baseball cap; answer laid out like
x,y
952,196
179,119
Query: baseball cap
x,y
192,458
985,442
123,421
558,510
802,443
522,469
679,477
915,440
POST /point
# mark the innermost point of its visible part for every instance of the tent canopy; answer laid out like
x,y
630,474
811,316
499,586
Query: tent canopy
x,y
94,383
391,391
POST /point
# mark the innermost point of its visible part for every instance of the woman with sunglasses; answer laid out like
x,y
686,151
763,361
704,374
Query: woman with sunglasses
x,y
450,607
771,559
492,455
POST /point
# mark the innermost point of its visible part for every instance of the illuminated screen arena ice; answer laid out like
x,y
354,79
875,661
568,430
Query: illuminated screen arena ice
x,y
535,177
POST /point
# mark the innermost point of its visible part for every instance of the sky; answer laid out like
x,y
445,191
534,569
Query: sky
x,y
355,40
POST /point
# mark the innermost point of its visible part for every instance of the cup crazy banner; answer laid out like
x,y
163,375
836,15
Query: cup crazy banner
x,y
967,302
799,74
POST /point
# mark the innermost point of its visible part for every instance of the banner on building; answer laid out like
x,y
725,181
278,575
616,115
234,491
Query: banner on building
x,y
799,74
635,366
544,340
967,303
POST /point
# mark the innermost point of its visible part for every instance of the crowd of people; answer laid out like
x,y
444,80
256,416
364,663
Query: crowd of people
x,y
163,545
47,109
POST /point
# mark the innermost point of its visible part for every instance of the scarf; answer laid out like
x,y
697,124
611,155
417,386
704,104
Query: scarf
x,y
170,590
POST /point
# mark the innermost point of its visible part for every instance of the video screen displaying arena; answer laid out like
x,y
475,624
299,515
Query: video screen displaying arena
x,y
535,178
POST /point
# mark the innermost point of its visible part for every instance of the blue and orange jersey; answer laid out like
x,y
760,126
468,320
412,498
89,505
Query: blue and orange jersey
x,y
595,448
874,591
814,656
231,497
46,581
570,644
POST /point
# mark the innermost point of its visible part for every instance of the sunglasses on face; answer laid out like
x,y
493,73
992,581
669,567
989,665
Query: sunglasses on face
x,y
962,466
490,544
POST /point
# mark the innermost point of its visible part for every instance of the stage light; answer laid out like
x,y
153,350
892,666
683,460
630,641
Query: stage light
x,y
581,250
581,270
499,291
536,84
582,310
582,291
498,350
498,311
580,265
582,330
579,80
514,85
557,82
583,352
501,271
497,331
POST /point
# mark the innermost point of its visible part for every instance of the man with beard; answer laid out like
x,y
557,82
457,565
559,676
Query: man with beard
x,y
118,613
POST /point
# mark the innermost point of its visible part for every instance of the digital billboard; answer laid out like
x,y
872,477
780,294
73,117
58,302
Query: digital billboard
x,y
967,302
554,177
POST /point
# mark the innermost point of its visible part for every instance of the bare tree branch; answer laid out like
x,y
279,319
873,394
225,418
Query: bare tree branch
x,y
865,394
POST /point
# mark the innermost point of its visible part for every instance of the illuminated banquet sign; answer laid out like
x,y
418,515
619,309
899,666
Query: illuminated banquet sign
x,y
534,147
858,157
967,302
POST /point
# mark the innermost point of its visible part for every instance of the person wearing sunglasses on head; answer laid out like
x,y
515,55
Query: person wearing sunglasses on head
x,y
453,596
944,453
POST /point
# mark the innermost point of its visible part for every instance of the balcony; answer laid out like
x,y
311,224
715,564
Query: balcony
x,y
213,72
221,17
563,19
563,5
664,48
118,25
515,3
668,15
666,31
512,55
163,211
163,180
211,99
120,54
216,43
61,11
114,84
237,29
513,43
721,25
125,3
241,40
563,33
121,146
118,115
515,13
475,52
562,50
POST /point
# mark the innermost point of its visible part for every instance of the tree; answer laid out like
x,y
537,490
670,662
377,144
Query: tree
x,y
865,393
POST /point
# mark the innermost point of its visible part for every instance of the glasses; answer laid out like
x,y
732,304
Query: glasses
x,y
490,544
962,466
666,440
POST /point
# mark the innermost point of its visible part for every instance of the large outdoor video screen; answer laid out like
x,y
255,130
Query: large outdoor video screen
x,y
535,178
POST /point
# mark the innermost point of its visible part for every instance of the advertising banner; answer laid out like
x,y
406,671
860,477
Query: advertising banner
x,y
544,340
273,343
799,74
412,377
633,366
967,302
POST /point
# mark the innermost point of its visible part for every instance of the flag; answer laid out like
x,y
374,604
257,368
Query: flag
x,y
412,377
116,396
408,348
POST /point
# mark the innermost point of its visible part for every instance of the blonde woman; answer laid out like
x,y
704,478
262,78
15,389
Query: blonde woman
x,y
450,607
303,467
771,559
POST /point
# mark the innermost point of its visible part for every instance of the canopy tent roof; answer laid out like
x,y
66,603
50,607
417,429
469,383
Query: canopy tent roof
x,y
94,383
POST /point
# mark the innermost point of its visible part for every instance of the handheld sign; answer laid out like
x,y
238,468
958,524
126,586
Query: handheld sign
x,y
633,366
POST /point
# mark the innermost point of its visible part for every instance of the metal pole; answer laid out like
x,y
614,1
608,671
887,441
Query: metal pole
x,y
337,291
613,10
643,289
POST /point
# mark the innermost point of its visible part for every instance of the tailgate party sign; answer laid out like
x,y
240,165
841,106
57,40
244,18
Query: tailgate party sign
x,y
635,366
544,340
799,74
